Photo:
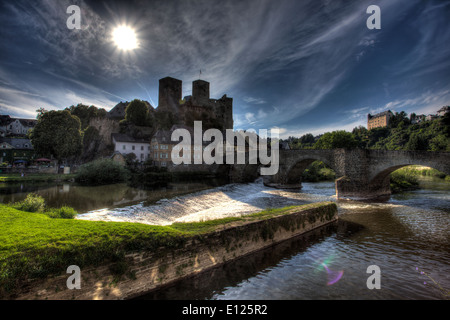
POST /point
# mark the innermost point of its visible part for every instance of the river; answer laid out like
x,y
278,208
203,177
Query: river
x,y
404,236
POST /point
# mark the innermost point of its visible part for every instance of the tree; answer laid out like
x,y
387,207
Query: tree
x,y
417,142
399,118
137,112
57,134
336,139
86,113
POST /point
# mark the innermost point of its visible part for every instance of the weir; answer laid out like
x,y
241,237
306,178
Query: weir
x,y
148,271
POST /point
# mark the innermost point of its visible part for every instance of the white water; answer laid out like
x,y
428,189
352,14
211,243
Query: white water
x,y
225,201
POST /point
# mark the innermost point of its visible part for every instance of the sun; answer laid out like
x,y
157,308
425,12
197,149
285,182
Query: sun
x,y
125,38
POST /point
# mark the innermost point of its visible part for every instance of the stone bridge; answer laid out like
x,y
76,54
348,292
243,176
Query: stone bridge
x,y
362,174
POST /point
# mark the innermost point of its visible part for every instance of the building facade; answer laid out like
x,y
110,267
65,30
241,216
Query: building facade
x,y
379,120
125,144
13,150
14,126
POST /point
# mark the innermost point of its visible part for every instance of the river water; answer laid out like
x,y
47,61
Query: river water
x,y
407,237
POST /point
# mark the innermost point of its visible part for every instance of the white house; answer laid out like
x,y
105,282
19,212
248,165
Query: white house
x,y
126,145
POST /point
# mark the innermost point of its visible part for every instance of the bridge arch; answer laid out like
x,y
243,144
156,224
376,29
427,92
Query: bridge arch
x,y
294,173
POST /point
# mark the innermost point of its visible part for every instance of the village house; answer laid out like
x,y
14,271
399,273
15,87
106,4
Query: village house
x,y
125,144
14,126
16,150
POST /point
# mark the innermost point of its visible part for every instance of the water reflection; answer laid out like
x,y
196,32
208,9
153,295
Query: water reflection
x,y
88,198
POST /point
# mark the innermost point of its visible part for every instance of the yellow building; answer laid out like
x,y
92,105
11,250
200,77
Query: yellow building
x,y
379,120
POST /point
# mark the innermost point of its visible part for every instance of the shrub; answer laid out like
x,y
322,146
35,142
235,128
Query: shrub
x,y
62,213
32,203
102,171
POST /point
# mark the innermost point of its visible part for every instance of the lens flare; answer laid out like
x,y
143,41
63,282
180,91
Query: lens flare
x,y
333,276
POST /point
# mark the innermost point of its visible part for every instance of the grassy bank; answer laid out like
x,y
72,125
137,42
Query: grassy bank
x,y
35,177
407,178
32,245
422,171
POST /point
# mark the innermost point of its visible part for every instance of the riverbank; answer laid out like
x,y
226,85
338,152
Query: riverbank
x,y
35,177
407,178
120,260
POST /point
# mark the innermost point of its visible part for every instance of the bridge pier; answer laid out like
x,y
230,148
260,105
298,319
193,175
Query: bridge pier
x,y
352,189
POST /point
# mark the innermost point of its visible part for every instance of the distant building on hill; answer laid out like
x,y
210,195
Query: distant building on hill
x,y
442,111
379,120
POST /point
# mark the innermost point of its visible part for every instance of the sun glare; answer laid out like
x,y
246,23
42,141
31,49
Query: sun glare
x,y
125,38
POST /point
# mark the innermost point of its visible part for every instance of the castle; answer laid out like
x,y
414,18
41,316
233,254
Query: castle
x,y
173,112
215,113
198,106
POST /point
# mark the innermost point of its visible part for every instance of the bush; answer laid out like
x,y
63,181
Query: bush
x,y
32,203
102,171
401,181
62,213
318,171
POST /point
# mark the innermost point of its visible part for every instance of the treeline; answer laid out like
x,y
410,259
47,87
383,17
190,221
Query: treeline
x,y
401,134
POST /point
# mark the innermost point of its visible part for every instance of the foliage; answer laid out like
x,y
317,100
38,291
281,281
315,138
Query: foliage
x,y
304,142
57,133
401,181
101,171
165,119
86,113
91,142
431,135
32,203
137,112
318,171
64,212
336,139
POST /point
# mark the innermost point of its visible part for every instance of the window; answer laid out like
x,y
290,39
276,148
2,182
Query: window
x,y
132,147
142,148
124,147
163,163
156,155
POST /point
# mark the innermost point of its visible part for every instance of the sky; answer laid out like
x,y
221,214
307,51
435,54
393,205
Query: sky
x,y
296,65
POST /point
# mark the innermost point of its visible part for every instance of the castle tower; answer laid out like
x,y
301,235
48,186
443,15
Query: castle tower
x,y
170,92
200,92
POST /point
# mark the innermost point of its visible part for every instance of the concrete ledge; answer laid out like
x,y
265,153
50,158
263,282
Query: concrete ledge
x,y
147,271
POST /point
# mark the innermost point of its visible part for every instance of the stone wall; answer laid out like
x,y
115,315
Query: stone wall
x,y
151,270
105,127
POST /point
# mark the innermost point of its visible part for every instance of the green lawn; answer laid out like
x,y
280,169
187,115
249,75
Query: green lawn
x,y
16,177
33,245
